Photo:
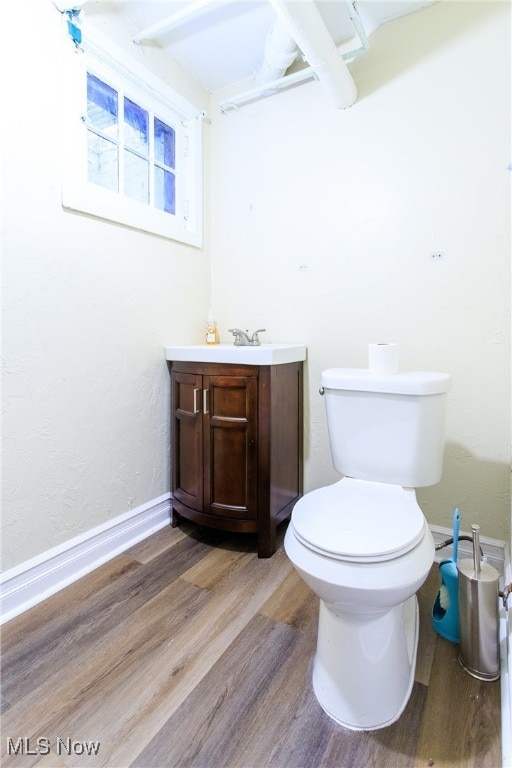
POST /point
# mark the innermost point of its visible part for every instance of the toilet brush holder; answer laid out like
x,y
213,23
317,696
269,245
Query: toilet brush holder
x,y
479,615
445,611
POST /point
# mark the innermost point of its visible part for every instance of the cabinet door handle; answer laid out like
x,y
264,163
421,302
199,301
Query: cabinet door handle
x,y
205,401
196,406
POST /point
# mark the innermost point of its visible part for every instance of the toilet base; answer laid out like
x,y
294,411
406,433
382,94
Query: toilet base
x,y
364,665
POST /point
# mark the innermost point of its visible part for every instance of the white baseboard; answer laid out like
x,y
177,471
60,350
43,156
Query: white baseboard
x,y
493,549
36,579
42,576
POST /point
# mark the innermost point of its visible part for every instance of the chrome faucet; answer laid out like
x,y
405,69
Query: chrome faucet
x,y
242,338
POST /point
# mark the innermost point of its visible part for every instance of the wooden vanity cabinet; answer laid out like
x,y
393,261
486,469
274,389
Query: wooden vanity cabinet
x,y
237,446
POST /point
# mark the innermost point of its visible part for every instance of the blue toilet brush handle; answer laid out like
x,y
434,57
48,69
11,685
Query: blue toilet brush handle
x,y
456,524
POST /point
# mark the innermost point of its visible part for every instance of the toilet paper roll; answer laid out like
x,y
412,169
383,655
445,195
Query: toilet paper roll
x,y
383,359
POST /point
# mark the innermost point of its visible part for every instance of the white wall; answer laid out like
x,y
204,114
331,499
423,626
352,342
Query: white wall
x,y
88,309
325,222
362,197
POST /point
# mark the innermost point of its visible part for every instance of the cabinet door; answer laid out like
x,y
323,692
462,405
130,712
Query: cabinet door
x,y
230,446
187,436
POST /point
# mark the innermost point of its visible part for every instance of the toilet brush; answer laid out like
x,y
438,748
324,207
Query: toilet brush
x,y
445,612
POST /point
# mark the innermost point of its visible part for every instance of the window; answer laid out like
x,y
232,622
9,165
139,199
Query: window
x,y
129,149
132,147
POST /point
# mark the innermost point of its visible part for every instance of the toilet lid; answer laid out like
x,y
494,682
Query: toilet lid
x,y
358,520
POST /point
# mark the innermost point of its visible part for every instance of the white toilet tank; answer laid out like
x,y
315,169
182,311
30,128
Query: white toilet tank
x,y
388,429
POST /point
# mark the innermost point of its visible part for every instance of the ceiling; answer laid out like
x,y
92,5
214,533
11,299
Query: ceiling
x,y
222,42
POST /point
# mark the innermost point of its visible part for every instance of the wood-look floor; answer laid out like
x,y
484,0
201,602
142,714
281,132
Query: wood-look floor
x,y
189,651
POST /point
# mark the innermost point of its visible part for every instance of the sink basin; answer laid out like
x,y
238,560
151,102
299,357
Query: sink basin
x,y
265,354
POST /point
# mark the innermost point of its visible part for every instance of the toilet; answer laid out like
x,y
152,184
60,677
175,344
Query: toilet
x,y
363,544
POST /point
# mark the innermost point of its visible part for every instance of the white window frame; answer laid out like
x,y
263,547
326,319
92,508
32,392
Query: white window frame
x,y
114,66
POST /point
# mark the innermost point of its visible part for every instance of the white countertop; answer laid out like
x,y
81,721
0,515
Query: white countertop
x,y
264,354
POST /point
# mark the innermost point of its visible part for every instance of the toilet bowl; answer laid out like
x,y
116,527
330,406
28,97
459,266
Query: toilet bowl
x,y
365,549
366,573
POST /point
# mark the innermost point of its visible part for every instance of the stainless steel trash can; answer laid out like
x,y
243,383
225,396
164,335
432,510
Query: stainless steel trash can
x,y
479,617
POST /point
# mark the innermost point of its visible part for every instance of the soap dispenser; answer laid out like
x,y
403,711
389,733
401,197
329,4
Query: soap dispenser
x,y
211,329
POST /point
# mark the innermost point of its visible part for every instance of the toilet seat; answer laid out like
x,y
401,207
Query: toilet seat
x,y
359,521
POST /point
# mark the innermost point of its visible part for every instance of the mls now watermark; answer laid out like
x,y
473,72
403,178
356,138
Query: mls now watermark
x,y
43,746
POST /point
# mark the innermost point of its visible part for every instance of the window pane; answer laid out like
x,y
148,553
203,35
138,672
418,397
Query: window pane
x,y
102,162
165,143
165,190
136,177
102,105
136,121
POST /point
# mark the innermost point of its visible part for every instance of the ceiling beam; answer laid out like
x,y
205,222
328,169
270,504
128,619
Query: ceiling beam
x,y
305,24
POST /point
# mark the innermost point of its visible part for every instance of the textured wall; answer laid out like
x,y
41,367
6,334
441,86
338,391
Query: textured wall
x,y
328,221
88,309
323,228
